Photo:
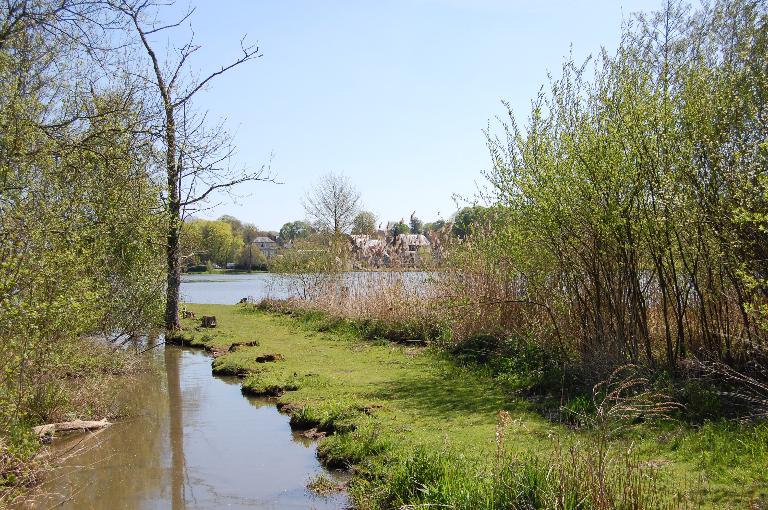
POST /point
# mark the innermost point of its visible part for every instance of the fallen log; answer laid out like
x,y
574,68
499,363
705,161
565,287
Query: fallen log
x,y
70,426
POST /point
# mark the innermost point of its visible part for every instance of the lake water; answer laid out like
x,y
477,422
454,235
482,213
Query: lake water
x,y
228,289
197,443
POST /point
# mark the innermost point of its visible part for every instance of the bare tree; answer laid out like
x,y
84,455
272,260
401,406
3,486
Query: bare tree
x,y
196,156
333,204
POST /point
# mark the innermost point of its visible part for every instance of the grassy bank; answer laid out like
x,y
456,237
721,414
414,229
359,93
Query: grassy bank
x,y
82,380
420,429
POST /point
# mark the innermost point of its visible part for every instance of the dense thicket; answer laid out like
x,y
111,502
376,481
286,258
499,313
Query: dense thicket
x,y
630,214
81,248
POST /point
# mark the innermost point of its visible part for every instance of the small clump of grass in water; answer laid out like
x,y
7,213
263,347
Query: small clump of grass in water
x,y
322,485
270,383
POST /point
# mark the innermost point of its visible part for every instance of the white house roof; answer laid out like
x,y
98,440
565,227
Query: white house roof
x,y
415,239
263,240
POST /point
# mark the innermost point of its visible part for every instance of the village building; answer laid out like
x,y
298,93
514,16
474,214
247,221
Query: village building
x,y
267,246
413,241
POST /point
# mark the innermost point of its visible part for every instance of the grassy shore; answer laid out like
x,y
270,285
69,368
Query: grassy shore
x,y
419,429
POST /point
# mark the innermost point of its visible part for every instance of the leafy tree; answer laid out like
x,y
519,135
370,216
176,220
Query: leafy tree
x,y
81,249
249,233
630,210
435,226
364,223
333,204
417,226
467,219
236,224
400,228
294,230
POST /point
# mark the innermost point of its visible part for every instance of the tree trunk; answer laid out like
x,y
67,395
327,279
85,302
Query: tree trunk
x,y
173,282
174,225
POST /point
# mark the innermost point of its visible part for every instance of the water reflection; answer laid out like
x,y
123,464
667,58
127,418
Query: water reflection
x,y
175,428
198,443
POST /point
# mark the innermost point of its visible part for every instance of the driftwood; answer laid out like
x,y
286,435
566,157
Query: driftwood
x,y
70,426
208,321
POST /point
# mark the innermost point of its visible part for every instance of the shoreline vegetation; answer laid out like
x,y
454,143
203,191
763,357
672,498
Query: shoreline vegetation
x,y
83,384
418,424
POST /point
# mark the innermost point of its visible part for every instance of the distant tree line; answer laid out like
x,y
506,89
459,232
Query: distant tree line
x,y
209,243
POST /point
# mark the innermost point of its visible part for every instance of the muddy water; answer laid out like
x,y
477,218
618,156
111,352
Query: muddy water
x,y
196,443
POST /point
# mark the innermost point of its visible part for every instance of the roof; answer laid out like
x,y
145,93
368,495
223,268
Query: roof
x,y
414,239
263,240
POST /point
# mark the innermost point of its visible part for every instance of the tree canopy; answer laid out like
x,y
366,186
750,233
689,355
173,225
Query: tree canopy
x,y
364,223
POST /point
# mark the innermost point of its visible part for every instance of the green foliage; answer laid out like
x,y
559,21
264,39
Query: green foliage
x,y
435,226
416,225
400,228
364,223
629,210
211,241
81,250
295,230
468,219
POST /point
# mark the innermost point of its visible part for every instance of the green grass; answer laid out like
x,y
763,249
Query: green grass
x,y
398,413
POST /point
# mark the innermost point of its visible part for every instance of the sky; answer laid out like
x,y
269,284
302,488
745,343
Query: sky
x,y
394,94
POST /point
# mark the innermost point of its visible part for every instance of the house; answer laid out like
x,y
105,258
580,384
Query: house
x,y
413,241
267,246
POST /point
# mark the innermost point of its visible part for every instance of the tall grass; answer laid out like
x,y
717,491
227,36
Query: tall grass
x,y
575,477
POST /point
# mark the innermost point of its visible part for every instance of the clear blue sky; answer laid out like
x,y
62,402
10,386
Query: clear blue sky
x,y
393,93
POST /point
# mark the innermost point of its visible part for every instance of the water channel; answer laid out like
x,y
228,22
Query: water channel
x,y
197,443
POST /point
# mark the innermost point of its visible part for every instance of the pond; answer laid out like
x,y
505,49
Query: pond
x,y
197,443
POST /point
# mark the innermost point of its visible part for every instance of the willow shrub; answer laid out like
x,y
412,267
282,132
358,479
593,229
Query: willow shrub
x,y
80,240
629,214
